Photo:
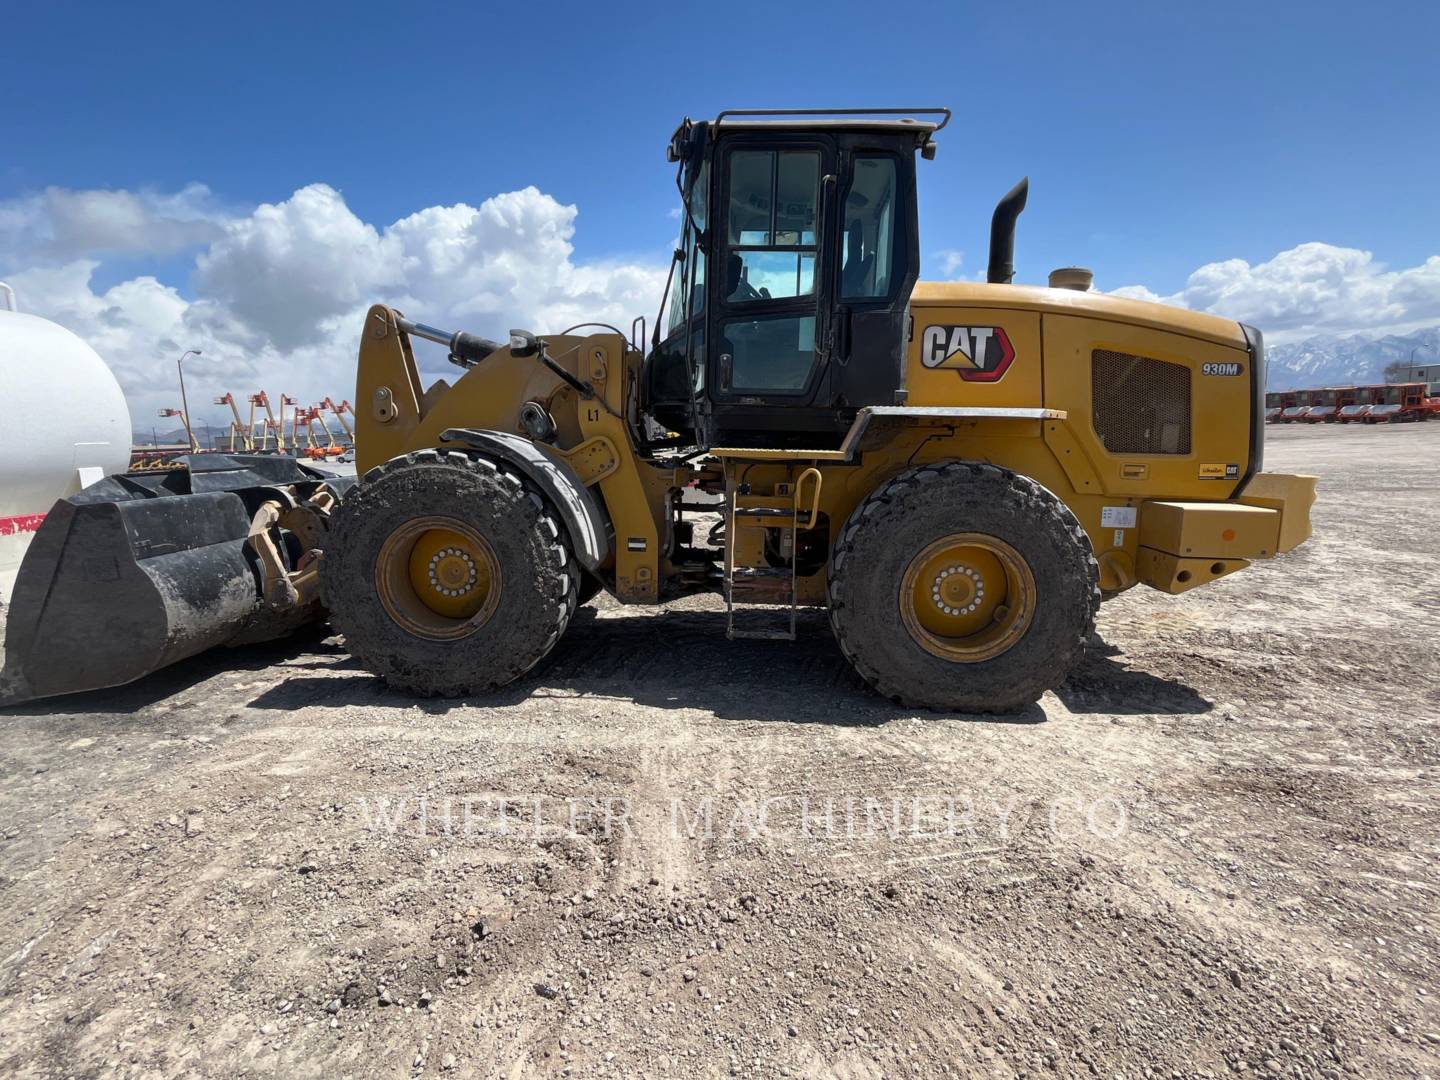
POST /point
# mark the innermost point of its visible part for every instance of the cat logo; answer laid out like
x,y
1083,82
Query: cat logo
x,y
978,353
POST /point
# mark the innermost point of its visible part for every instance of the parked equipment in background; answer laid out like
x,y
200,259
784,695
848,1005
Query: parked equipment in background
x,y
239,433
1326,405
292,440
1304,401
1381,403
1276,402
272,436
331,448
1363,400
170,414
957,472
1403,403
340,412
305,416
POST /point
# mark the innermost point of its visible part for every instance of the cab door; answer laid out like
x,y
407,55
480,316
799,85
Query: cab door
x,y
877,259
769,288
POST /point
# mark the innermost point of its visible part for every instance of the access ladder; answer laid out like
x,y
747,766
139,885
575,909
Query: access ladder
x,y
767,585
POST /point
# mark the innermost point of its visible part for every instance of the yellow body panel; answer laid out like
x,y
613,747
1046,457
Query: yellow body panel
x,y
1172,574
1293,496
1220,416
1018,387
1210,530
1054,333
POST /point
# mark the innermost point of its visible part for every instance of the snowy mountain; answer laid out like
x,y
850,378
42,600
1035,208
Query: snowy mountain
x,y
206,433
1333,360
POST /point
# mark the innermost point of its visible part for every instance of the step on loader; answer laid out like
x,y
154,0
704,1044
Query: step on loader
x,y
958,473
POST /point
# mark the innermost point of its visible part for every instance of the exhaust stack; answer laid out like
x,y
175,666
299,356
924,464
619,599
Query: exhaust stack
x,y
1002,234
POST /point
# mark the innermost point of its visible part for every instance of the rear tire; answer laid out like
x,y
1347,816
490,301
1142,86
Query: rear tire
x,y
1012,643
528,578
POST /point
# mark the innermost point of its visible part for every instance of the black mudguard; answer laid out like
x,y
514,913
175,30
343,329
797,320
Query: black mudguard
x,y
139,571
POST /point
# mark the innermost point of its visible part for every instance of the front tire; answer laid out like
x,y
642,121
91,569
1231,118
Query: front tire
x,y
447,574
963,586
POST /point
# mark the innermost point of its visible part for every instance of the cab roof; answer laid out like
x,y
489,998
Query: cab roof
x,y
897,120
894,122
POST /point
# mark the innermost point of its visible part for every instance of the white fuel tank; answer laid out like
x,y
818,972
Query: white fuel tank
x,y
66,425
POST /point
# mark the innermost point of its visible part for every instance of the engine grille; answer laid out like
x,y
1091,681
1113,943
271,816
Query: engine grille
x,y
1141,406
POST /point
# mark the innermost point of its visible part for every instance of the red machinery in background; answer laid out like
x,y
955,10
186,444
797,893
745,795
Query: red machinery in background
x,y
1403,403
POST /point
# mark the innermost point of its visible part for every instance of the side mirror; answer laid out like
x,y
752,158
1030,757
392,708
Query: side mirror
x,y
523,343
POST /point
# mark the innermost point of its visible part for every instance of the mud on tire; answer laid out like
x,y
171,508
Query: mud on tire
x,y
919,507
538,575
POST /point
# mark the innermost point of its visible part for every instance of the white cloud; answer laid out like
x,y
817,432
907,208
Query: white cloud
x,y
1309,289
287,268
1140,292
59,224
279,292
950,261
274,295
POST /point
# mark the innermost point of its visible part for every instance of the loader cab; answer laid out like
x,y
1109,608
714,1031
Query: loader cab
x,y
799,249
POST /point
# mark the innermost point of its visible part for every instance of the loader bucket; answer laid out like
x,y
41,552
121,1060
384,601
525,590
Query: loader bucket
x,y
137,572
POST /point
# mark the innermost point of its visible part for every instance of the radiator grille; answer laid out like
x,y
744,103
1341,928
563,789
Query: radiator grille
x,y
1141,406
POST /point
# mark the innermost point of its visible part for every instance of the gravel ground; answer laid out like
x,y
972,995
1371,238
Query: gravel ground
x,y
1213,850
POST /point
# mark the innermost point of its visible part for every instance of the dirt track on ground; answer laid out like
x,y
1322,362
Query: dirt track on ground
x,y
1213,850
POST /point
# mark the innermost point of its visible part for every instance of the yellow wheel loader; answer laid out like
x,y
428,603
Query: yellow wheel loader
x,y
957,473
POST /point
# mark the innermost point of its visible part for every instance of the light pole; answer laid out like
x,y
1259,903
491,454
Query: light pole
x,y
1410,368
185,405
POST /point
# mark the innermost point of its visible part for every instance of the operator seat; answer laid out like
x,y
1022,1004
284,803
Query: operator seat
x,y
856,271
734,268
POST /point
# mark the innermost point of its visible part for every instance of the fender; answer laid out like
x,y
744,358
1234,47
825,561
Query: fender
x,y
589,528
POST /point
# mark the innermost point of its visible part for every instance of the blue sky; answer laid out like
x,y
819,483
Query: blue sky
x,y
1157,137
1287,152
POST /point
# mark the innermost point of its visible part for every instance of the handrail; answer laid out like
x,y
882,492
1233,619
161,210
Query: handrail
x,y
942,112
9,297
814,514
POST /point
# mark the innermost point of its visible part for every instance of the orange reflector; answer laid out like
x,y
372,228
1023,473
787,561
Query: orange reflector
x,y
1228,535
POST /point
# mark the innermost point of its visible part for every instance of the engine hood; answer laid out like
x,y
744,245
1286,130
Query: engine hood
x,y
1070,302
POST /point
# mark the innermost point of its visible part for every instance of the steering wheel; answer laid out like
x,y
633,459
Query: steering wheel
x,y
745,291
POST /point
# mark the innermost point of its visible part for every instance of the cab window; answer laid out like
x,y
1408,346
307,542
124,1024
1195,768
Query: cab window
x,y
690,274
772,355
771,235
868,237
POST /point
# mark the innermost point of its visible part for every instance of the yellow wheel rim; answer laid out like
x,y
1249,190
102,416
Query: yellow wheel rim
x,y
967,597
438,578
